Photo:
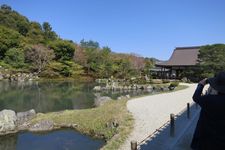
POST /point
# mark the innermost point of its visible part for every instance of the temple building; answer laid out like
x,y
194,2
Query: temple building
x,y
183,58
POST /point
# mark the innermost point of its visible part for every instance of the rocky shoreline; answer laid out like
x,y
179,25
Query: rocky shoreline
x,y
6,74
12,122
135,87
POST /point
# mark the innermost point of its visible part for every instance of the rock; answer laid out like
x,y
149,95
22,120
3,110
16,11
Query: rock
x,y
101,100
127,96
141,87
113,124
147,78
23,117
66,125
7,121
133,78
149,87
119,98
125,88
164,89
171,88
1,76
184,79
23,126
44,125
7,76
97,88
35,77
27,76
123,97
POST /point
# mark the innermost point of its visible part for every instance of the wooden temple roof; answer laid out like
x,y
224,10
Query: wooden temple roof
x,y
182,56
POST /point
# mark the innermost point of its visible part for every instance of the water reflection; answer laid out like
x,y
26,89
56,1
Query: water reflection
x,y
8,142
45,96
51,96
56,140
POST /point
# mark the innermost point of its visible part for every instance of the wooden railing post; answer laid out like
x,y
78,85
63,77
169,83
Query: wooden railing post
x,y
188,110
133,145
172,125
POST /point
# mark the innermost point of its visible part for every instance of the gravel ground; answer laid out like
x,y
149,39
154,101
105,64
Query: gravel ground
x,y
151,112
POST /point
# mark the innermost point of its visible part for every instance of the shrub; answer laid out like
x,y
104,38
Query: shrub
x,y
156,81
174,84
15,57
64,50
165,81
65,68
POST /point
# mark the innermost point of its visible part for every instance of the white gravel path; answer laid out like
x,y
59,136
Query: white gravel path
x,y
151,112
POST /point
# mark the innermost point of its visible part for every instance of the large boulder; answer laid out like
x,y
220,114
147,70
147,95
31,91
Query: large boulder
x,y
44,125
23,117
97,88
7,121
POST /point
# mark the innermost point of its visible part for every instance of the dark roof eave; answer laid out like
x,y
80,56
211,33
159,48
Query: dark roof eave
x,y
164,65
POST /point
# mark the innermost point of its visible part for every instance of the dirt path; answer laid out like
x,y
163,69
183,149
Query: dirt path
x,y
151,112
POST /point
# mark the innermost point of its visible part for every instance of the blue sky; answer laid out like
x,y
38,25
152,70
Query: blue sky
x,y
151,28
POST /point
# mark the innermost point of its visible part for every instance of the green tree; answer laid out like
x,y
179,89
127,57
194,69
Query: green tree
x,y
13,20
65,68
6,7
36,33
211,59
91,54
149,64
104,63
89,44
9,39
64,50
15,57
48,33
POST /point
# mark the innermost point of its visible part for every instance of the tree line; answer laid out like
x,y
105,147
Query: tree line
x,y
211,60
29,46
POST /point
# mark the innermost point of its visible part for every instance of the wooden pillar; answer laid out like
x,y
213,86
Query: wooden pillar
x,y
188,110
172,125
133,145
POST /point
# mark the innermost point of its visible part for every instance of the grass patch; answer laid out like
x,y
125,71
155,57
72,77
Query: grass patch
x,y
180,87
97,121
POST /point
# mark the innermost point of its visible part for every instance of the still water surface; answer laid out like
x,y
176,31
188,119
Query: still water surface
x,y
45,96
48,96
56,140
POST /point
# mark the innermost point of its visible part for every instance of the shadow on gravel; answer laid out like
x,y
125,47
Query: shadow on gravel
x,y
184,129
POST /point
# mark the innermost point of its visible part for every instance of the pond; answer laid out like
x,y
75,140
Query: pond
x,y
49,96
45,96
57,140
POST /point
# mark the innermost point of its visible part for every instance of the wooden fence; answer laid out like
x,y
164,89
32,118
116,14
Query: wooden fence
x,y
172,122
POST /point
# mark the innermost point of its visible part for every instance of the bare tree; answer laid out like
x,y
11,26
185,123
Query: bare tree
x,y
39,56
137,61
80,56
